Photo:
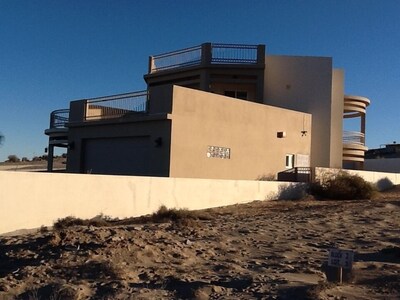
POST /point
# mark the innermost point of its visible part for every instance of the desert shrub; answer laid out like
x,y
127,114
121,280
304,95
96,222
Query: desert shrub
x,y
13,158
97,221
43,229
179,218
384,184
341,186
266,177
164,214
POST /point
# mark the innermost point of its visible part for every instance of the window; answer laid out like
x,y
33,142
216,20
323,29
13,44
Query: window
x,y
241,95
289,161
236,94
230,94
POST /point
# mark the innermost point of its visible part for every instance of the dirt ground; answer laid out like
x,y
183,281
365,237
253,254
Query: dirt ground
x,y
260,250
59,163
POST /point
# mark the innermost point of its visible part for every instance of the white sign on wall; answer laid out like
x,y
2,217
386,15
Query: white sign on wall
x,y
218,152
302,160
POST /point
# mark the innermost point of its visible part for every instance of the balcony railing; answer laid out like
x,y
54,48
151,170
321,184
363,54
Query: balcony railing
x,y
233,54
116,106
207,54
176,59
353,137
59,118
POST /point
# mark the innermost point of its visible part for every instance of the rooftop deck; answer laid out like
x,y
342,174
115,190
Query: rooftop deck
x,y
208,54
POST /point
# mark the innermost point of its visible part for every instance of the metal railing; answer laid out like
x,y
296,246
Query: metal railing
x,y
176,59
116,105
297,174
59,118
233,54
353,137
206,54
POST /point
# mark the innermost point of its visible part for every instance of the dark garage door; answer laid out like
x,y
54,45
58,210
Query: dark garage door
x,y
120,156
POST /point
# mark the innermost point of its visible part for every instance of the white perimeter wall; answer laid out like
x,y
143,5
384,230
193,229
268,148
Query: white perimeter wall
x,y
30,200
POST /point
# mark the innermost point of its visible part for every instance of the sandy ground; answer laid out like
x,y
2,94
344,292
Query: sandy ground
x,y
260,250
32,166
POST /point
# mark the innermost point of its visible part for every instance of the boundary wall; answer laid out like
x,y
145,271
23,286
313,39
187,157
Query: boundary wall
x,y
382,164
30,200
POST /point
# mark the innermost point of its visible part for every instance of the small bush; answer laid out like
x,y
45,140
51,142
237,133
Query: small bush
x,y
97,221
43,229
266,177
342,186
176,215
13,158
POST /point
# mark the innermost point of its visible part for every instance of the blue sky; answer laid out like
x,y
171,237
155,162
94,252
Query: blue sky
x,y
55,51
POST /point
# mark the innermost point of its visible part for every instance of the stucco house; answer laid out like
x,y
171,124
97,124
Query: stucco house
x,y
383,159
222,111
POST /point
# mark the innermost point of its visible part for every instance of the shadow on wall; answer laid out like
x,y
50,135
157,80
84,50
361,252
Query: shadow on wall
x,y
384,184
292,191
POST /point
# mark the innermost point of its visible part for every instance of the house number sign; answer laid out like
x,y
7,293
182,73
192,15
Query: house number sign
x,y
218,152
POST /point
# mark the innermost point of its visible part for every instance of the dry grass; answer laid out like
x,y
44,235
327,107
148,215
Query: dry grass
x,y
183,217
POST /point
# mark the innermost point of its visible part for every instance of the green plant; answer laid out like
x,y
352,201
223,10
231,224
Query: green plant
x,y
341,186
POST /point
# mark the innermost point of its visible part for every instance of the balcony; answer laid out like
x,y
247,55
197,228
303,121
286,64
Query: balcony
x,y
354,141
353,137
208,54
58,120
115,106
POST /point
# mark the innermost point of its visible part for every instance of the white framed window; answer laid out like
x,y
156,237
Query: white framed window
x,y
289,161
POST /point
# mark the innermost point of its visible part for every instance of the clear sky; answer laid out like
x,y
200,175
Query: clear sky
x,y
55,51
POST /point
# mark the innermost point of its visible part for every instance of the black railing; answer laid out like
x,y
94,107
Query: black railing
x,y
206,54
116,105
297,174
233,54
59,118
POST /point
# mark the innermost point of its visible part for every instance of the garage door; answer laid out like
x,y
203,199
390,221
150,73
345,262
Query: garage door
x,y
119,156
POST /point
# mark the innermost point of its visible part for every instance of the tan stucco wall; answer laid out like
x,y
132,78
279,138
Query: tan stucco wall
x,y
201,119
336,143
305,84
30,200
